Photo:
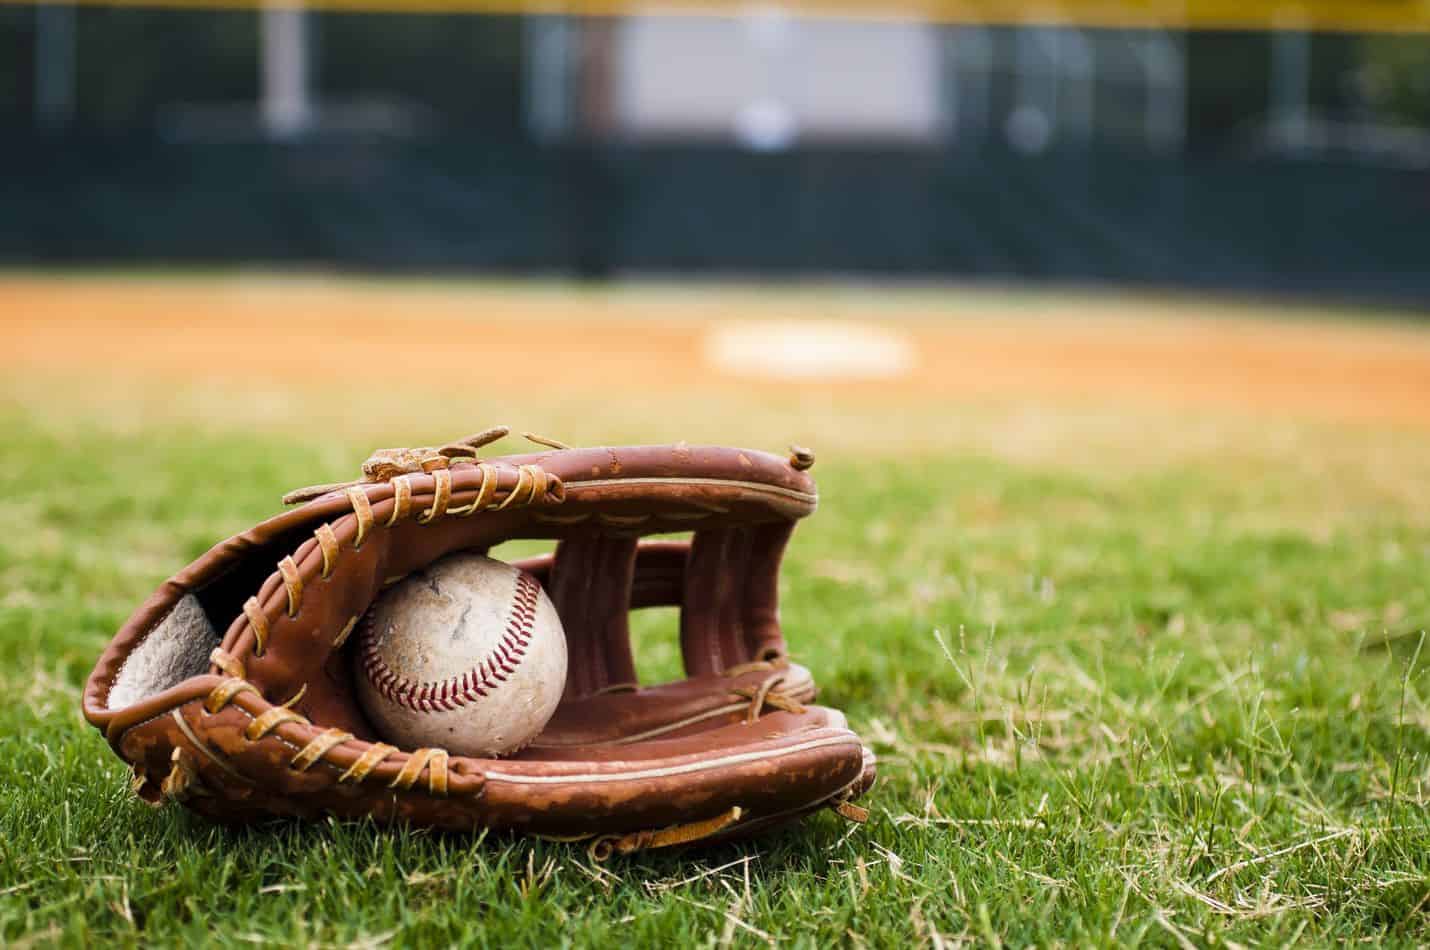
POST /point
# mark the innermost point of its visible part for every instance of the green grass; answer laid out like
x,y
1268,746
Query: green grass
x,y
1131,696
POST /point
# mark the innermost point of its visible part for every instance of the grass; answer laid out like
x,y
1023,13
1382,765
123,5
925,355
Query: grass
x,y
1132,679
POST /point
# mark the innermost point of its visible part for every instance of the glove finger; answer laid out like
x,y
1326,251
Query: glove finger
x,y
730,613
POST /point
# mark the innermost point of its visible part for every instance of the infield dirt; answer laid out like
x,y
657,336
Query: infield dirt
x,y
557,339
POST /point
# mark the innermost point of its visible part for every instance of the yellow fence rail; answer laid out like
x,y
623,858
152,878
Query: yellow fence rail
x,y
1380,16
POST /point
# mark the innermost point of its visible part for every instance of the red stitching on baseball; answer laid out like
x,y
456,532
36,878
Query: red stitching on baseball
x,y
457,691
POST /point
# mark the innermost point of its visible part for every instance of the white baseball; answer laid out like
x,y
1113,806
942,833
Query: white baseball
x,y
467,655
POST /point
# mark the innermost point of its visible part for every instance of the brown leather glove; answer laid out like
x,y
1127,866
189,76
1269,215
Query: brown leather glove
x,y
262,719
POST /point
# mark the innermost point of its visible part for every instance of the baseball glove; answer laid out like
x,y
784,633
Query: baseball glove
x,y
261,719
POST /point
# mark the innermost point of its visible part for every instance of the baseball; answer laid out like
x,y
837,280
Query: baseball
x,y
467,655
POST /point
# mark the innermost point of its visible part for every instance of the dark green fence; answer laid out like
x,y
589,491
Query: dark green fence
x,y
475,206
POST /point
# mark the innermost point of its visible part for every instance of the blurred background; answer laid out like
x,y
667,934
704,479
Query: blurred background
x,y
890,225
1253,147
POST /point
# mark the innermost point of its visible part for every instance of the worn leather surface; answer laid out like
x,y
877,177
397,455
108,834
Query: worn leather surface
x,y
739,732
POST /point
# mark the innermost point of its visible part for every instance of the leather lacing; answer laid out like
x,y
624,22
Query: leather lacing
x,y
533,486
603,846
395,466
767,693
183,777
385,465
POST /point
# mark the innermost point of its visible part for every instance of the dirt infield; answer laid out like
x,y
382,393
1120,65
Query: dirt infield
x,y
966,345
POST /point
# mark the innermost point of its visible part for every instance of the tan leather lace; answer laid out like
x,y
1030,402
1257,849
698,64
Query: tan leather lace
x,y
385,465
603,846
767,694
433,762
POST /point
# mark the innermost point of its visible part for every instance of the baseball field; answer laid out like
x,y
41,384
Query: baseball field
x,y
1129,593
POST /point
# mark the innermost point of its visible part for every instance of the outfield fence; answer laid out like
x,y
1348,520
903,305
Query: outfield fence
x,y
1082,142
